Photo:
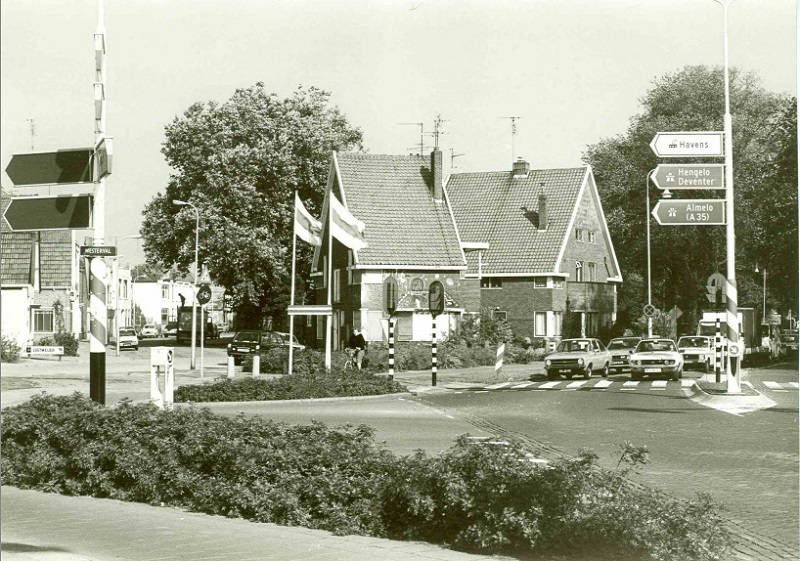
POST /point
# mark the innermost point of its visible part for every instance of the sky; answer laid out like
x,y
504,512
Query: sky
x,y
573,71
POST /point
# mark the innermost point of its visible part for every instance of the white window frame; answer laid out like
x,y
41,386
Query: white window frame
x,y
337,285
591,272
492,283
558,318
579,271
538,280
579,234
500,315
543,317
308,321
558,283
44,312
349,267
321,326
165,291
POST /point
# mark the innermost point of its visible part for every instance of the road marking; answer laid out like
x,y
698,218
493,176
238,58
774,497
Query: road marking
x,y
659,385
690,383
746,383
794,385
548,385
629,385
576,384
602,384
524,385
498,386
774,386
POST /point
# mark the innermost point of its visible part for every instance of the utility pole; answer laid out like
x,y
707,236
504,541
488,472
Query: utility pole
x,y
513,135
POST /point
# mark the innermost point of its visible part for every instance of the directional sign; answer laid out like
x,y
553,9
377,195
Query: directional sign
x,y
98,250
204,294
689,176
47,168
103,157
49,213
717,283
688,144
690,212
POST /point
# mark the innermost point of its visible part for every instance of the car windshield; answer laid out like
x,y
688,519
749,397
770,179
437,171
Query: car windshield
x,y
149,326
651,346
616,344
127,333
701,342
574,345
247,336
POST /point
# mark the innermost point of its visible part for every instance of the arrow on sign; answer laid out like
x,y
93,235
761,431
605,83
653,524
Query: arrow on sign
x,y
689,212
47,168
687,144
49,213
689,176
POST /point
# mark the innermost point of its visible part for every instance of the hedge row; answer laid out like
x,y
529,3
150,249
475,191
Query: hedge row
x,y
471,497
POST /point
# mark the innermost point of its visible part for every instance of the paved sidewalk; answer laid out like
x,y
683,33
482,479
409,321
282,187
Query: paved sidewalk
x,y
87,529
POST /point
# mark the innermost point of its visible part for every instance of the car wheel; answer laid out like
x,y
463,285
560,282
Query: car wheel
x,y
636,377
135,348
680,373
550,375
569,376
588,372
606,371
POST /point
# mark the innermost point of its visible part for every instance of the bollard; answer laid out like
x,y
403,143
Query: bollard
x,y
434,364
391,348
256,364
498,363
169,387
231,368
162,358
155,391
717,354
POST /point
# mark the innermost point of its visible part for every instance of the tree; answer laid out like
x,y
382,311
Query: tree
x,y
683,257
240,163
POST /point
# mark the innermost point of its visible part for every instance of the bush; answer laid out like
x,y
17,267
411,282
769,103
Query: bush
x,y
472,497
9,349
297,386
68,341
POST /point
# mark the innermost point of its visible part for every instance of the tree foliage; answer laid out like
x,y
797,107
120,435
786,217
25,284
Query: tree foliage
x,y
765,186
239,163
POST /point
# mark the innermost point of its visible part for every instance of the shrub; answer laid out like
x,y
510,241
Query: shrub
x,y
9,349
45,341
68,341
472,497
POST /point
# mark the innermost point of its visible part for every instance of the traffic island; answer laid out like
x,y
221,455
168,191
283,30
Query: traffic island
x,y
715,396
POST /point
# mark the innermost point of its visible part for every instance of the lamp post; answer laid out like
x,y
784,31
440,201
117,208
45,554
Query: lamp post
x,y
116,290
194,293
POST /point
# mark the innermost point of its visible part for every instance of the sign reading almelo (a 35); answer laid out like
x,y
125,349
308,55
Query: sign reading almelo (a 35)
x,y
690,212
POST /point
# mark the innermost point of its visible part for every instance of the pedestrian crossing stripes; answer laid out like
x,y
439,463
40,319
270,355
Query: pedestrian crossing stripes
x,y
619,385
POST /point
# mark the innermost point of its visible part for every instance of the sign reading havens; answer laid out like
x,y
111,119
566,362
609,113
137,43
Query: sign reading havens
x,y
688,144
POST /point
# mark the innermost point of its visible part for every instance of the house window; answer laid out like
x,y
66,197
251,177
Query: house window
x,y
557,316
491,282
164,315
325,272
591,272
578,271
337,285
165,292
500,316
308,321
558,283
43,321
349,266
539,282
540,324
592,237
591,324
320,327
579,234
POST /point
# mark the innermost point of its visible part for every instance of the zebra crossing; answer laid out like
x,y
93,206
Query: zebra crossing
x,y
617,385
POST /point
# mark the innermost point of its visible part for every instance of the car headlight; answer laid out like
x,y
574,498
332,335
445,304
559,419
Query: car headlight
x,y
669,362
701,357
580,362
258,347
229,346
548,362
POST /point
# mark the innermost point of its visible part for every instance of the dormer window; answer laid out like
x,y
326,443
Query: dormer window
x,y
579,234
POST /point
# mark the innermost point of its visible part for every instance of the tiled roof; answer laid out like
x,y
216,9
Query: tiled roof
x,y
15,258
55,258
503,211
403,225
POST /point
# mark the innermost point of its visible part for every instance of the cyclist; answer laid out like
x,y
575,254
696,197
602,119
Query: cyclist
x,y
358,343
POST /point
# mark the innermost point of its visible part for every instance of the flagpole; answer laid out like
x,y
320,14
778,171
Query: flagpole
x,y
291,300
328,324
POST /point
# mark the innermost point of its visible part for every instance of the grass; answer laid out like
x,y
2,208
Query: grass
x,y
475,375
7,384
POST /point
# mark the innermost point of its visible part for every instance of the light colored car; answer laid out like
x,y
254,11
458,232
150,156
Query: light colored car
x,y
284,341
128,338
149,330
697,351
578,357
171,329
656,357
621,349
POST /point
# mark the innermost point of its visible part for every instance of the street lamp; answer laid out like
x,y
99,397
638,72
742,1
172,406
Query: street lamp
x,y
764,290
116,289
194,293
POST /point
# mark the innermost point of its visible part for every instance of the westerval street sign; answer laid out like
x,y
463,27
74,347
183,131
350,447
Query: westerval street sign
x,y
688,144
98,250
49,213
50,168
690,212
689,176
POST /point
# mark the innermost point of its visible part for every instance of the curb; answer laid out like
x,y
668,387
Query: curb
x,y
733,404
306,400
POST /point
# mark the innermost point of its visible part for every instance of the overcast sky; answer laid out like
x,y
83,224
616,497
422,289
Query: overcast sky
x,y
573,70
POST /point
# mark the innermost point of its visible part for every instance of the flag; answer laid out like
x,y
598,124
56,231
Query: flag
x,y
306,227
345,227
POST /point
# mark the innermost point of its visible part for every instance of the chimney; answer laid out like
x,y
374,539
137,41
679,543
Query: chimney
x,y
521,168
436,171
542,209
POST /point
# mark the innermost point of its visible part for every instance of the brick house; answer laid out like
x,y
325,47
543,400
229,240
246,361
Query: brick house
x,y
411,234
546,244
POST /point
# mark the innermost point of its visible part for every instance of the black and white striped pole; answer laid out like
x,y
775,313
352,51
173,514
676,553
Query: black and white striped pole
x,y
390,307
718,354
436,307
97,265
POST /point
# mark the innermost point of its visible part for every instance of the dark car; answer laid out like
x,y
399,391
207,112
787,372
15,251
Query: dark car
x,y
621,349
244,343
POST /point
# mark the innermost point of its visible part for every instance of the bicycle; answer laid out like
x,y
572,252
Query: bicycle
x,y
350,363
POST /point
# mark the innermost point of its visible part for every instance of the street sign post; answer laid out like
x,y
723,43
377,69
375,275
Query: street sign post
x,y
26,214
204,294
689,176
50,168
690,212
688,144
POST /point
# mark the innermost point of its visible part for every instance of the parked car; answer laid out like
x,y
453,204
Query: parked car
x,y
282,340
578,356
244,343
171,329
128,338
697,351
788,341
149,330
656,357
621,349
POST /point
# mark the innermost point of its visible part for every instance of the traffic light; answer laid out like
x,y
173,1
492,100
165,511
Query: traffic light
x,y
390,295
436,298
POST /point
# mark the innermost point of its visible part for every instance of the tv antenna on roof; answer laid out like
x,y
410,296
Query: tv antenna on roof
x,y
32,124
453,157
513,133
437,130
421,136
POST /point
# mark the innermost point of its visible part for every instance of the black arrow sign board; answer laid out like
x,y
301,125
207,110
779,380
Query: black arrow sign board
x,y
48,168
49,213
